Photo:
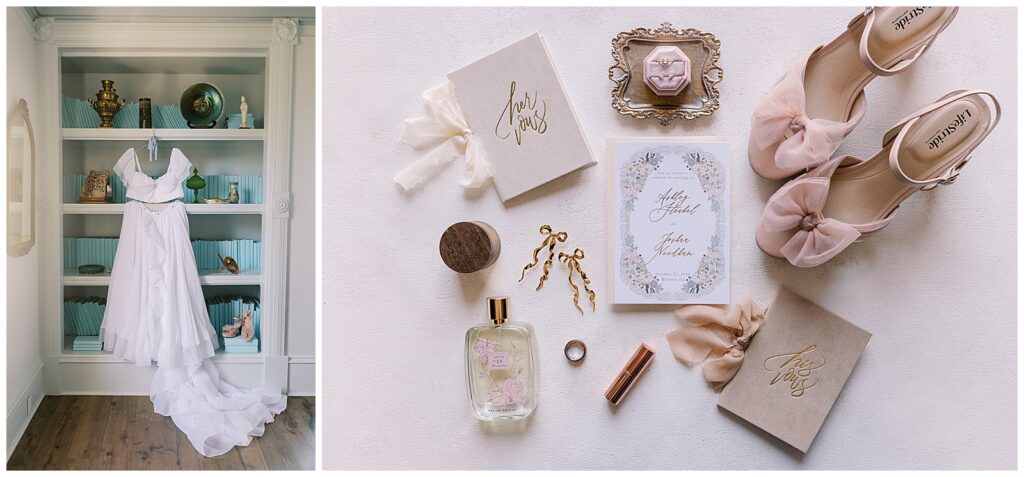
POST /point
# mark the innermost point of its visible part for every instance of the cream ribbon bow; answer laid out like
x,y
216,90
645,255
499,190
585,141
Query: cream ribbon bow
x,y
716,336
447,132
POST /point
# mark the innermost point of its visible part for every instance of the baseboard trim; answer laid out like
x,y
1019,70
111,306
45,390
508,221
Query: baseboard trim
x,y
18,417
295,374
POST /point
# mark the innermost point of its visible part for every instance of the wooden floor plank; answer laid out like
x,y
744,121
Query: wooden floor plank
x,y
160,442
251,457
85,438
59,458
288,443
116,439
34,445
188,457
123,433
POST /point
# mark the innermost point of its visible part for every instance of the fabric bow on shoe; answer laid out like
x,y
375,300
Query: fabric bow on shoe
x,y
781,116
797,212
447,131
716,336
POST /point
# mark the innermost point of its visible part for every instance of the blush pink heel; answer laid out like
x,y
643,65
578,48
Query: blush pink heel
x,y
817,215
802,119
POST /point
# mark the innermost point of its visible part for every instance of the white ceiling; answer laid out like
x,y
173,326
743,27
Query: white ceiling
x,y
306,14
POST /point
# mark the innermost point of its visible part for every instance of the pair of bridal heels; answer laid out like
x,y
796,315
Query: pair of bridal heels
x,y
801,121
243,324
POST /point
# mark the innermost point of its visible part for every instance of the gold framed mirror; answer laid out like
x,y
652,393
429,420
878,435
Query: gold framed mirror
x,y
21,173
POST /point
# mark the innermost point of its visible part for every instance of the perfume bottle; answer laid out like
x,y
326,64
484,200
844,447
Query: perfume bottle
x,y
501,366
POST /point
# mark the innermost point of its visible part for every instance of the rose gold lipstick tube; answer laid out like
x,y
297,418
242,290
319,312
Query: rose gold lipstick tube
x,y
641,359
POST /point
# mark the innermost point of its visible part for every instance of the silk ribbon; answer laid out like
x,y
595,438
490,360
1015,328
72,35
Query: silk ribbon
x,y
715,336
447,133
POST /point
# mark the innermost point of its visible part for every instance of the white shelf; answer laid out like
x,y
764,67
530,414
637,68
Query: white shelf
x,y
69,355
206,277
209,209
125,134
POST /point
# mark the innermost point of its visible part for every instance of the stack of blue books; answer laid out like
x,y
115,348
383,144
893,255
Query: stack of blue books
x,y
245,251
77,113
83,315
250,188
238,344
101,251
235,121
89,250
87,343
224,308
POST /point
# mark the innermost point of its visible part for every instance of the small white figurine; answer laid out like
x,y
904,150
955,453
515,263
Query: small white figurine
x,y
245,115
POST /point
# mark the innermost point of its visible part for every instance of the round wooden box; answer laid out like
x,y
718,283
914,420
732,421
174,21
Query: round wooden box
x,y
467,247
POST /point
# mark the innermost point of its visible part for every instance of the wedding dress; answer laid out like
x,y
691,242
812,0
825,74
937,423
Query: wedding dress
x,y
156,312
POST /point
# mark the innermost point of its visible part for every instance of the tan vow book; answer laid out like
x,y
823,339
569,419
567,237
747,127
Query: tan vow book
x,y
515,103
794,369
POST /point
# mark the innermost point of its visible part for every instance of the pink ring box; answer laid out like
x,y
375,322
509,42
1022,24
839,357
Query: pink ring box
x,y
667,71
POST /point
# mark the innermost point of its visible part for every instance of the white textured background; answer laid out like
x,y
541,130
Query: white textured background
x,y
935,388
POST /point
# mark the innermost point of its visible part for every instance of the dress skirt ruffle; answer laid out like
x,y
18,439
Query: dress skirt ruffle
x,y
156,313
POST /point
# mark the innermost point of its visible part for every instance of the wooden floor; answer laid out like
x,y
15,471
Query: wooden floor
x,y
123,433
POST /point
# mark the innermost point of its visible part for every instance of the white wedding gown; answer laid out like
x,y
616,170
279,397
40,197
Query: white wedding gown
x,y
156,312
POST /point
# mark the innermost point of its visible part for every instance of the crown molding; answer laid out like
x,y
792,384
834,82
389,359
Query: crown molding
x,y
99,34
172,14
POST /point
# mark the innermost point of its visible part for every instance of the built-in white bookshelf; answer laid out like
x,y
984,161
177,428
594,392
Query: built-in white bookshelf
x,y
159,61
96,134
192,209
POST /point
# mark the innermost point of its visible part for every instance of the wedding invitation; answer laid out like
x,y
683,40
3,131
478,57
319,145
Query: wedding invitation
x,y
794,369
669,220
515,103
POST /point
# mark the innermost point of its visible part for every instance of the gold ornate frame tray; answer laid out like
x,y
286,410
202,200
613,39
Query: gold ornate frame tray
x,y
633,97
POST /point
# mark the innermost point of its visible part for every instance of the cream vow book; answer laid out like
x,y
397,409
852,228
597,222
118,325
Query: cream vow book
x,y
794,369
514,102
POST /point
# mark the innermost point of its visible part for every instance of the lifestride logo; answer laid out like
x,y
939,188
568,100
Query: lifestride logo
x,y
904,20
940,136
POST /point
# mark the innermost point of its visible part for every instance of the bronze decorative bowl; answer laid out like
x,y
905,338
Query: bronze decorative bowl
x,y
201,105
91,269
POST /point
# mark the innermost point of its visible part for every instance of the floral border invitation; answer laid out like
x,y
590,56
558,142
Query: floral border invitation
x,y
669,220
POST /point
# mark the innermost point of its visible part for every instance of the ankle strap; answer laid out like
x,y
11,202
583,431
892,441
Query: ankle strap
x,y
899,131
872,65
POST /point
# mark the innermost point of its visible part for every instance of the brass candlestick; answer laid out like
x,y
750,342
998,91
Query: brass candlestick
x,y
106,103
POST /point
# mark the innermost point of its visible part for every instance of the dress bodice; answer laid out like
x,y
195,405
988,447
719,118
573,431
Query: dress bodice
x,y
143,188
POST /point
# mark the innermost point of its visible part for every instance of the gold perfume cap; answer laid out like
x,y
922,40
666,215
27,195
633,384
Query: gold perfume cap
x,y
497,309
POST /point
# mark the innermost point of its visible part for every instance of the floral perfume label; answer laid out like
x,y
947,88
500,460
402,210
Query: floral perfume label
x,y
670,221
497,360
505,388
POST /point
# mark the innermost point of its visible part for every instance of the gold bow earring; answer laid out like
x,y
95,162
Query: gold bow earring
x,y
550,240
573,263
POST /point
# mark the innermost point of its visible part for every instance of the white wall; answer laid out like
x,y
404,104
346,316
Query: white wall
x,y
24,351
301,328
